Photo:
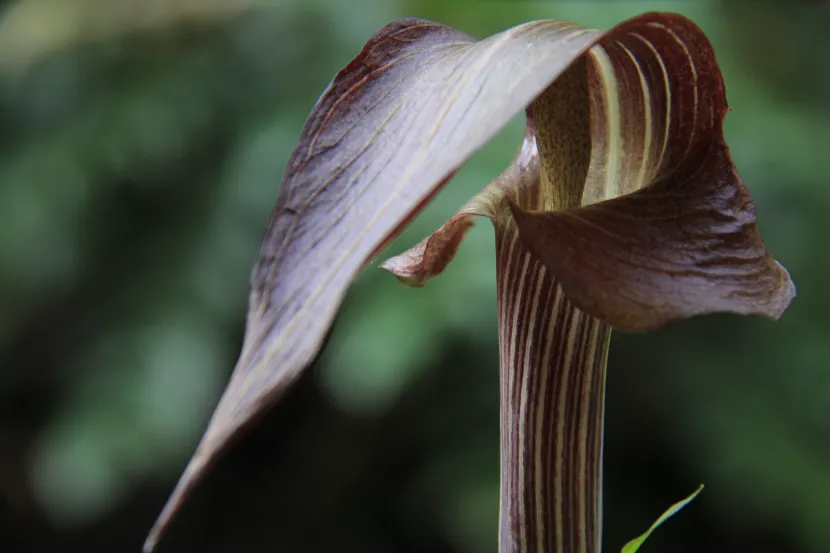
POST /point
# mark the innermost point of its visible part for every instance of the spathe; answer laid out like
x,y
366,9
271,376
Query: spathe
x,y
399,120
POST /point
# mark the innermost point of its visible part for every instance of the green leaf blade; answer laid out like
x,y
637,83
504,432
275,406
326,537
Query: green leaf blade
x,y
634,545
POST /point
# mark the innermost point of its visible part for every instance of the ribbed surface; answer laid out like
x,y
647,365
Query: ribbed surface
x,y
553,360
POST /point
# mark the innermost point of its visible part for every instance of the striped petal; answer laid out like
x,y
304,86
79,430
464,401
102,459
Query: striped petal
x,y
393,127
673,233
633,132
627,212
390,129
553,355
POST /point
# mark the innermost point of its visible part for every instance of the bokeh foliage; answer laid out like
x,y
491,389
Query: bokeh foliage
x,y
141,148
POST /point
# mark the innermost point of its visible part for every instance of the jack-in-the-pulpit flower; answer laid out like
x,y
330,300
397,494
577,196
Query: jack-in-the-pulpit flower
x,y
621,209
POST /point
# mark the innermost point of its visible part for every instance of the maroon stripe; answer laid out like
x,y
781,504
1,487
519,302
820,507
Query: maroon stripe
x,y
581,376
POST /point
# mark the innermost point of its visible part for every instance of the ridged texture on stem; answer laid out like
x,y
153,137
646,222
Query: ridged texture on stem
x,y
553,360
640,216
553,355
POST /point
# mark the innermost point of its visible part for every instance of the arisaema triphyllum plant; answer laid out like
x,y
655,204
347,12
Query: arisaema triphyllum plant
x,y
622,209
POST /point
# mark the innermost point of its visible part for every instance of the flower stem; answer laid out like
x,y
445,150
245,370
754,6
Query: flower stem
x,y
553,360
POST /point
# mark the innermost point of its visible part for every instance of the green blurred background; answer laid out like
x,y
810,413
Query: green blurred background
x,y
141,148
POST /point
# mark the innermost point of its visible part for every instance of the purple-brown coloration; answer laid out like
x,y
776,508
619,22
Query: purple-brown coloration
x,y
622,208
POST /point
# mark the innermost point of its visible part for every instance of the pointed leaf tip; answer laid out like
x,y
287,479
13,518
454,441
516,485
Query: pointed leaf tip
x,y
204,456
432,255
634,545
389,130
